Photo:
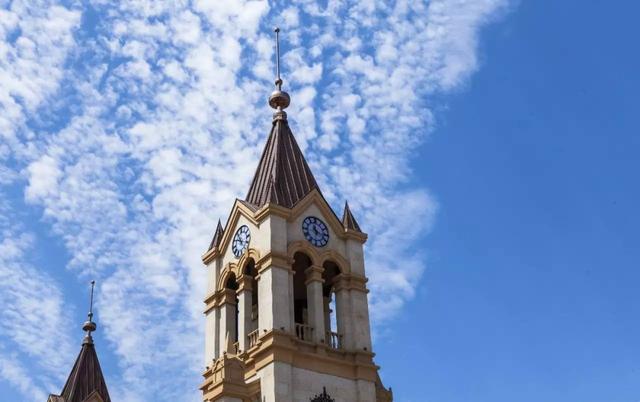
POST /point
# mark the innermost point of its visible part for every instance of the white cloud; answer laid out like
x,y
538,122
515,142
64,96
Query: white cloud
x,y
12,371
35,37
43,177
34,324
166,126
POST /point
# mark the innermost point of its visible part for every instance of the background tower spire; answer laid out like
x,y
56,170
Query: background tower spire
x,y
89,326
279,99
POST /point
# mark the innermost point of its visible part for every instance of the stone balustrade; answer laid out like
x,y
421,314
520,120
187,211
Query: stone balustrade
x,y
333,340
304,332
253,338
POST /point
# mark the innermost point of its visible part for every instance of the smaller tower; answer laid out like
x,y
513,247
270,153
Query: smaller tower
x,y
86,382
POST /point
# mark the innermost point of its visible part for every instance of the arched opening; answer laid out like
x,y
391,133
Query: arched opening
x,y
300,306
232,284
333,337
251,271
249,306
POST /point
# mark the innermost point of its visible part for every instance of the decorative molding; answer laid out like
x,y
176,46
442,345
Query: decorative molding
x,y
226,379
245,283
274,259
350,282
230,269
313,274
278,345
336,258
251,253
305,247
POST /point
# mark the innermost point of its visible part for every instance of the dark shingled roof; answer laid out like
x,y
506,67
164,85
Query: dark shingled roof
x,y
348,220
283,176
86,376
217,236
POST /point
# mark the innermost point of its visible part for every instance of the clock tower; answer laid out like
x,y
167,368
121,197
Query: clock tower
x,y
287,316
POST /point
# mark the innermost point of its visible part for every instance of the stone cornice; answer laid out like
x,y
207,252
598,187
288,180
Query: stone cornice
x,y
278,345
245,283
314,274
350,282
274,259
218,298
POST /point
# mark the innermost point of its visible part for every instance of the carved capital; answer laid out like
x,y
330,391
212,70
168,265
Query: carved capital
x,y
265,267
350,282
245,283
314,274
228,296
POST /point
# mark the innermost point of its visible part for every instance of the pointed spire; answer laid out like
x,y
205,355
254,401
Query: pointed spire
x,y
217,236
348,220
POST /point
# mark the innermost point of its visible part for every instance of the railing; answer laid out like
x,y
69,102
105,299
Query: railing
x,y
304,332
236,347
252,338
333,340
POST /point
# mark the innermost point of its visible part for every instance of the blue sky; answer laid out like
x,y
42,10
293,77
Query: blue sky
x,y
490,146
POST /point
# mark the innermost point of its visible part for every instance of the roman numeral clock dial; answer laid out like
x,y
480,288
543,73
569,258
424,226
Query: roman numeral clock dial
x,y
241,241
315,231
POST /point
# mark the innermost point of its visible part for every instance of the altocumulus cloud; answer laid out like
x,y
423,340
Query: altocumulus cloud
x,y
132,126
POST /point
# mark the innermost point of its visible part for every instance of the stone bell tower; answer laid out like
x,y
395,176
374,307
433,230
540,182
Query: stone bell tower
x,y
287,316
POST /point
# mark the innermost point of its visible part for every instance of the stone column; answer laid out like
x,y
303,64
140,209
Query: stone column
x,y
211,336
274,299
217,343
315,302
359,313
227,318
327,312
343,311
276,382
245,302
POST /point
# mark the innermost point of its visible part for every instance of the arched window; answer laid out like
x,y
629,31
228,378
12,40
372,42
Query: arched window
x,y
248,305
333,338
232,284
300,307
251,271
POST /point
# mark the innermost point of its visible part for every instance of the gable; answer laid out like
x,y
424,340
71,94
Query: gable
x,y
316,209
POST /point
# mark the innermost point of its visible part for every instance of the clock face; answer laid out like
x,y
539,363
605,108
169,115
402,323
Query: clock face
x,y
241,241
315,231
